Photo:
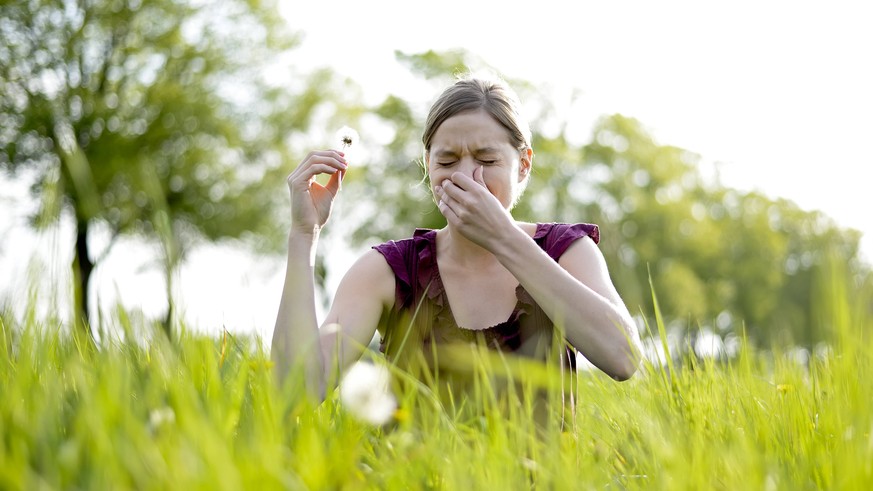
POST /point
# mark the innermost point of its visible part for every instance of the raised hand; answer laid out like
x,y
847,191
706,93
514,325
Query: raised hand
x,y
311,202
468,204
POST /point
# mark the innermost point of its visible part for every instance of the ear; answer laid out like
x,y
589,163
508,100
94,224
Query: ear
x,y
525,163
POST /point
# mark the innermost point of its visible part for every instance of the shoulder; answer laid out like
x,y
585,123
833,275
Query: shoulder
x,y
555,230
371,262
556,238
371,274
585,262
404,256
421,238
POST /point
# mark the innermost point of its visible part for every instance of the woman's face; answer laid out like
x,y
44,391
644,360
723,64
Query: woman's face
x,y
474,139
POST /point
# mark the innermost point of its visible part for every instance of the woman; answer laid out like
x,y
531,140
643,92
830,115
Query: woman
x,y
484,277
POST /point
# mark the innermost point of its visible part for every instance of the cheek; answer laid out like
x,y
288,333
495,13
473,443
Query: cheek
x,y
497,179
434,177
502,187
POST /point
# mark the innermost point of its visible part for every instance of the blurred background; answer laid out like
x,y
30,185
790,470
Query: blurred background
x,y
722,149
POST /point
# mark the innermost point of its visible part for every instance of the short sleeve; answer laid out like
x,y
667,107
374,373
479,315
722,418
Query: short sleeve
x,y
556,238
395,256
412,261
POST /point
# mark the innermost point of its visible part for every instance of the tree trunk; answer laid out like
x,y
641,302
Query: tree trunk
x,y
171,310
82,269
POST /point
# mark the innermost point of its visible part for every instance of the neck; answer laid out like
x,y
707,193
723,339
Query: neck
x,y
452,245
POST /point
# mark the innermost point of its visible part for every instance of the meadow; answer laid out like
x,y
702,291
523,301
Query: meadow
x,y
139,411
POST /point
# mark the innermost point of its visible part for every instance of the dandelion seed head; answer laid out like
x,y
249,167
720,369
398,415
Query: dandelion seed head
x,y
365,392
347,136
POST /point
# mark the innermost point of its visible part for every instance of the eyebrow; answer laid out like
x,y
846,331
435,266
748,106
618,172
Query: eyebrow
x,y
485,150
446,153
478,151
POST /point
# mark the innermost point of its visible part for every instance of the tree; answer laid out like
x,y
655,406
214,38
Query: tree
x,y
393,169
150,118
717,256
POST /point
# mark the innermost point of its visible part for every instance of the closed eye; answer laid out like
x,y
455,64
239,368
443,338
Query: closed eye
x,y
446,163
487,162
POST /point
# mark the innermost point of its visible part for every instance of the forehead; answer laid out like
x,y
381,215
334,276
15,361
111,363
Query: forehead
x,y
472,130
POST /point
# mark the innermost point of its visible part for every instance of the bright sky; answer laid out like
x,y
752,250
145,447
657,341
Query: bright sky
x,y
777,92
777,95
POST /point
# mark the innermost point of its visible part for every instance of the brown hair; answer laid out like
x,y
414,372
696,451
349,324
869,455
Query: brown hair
x,y
470,93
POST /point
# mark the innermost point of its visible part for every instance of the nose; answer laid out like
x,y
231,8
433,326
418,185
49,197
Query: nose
x,y
468,165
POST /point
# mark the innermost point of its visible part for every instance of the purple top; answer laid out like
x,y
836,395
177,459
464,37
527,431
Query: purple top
x,y
421,301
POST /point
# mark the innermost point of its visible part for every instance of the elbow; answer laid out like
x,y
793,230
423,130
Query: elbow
x,y
624,372
620,367
627,364
628,357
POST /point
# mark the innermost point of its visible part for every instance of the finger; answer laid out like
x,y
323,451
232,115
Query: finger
x,y
481,179
447,211
444,197
304,175
335,154
451,189
463,181
330,158
334,184
459,193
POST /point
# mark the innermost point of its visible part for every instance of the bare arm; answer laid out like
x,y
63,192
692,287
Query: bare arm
x,y
366,289
295,334
578,295
364,293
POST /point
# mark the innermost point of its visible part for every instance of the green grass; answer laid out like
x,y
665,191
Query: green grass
x,y
204,413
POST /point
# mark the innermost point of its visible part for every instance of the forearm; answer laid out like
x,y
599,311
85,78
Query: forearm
x,y
599,327
295,344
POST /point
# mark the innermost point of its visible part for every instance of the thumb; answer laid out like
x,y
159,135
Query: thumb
x,y
334,184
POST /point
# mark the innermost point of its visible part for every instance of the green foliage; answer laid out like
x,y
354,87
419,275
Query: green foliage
x,y
130,102
151,118
204,413
722,258
714,251
436,65
395,173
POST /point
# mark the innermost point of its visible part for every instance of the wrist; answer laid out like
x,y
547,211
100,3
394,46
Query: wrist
x,y
304,234
508,245
303,243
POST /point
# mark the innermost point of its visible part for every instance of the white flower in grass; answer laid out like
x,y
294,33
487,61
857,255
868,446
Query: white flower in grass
x,y
332,328
160,417
366,393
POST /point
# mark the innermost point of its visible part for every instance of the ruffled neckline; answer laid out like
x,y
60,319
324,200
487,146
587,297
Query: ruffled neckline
x,y
430,282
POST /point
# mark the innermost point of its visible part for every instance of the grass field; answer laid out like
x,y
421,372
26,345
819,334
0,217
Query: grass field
x,y
204,413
